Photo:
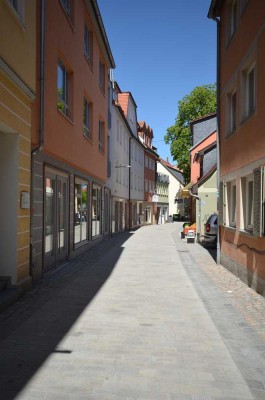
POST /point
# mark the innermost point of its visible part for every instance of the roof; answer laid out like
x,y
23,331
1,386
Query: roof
x,y
204,178
207,116
214,10
173,170
103,34
201,141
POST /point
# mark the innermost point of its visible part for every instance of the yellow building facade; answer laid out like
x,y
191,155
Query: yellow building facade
x,y
17,93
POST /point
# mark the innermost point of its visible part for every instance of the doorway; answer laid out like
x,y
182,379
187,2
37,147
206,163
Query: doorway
x,y
55,219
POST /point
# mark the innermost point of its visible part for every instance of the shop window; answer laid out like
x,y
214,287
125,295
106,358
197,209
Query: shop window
x,y
81,211
96,210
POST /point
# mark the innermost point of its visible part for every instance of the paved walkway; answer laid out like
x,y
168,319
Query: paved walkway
x,y
143,316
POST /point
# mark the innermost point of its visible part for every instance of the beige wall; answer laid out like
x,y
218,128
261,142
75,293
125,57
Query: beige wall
x,y
17,81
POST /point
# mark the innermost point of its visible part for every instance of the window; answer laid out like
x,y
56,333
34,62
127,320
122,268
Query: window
x,y
243,4
101,135
231,112
81,211
249,216
231,200
18,7
146,185
102,76
88,43
250,91
68,8
96,210
146,161
86,119
63,89
232,19
259,201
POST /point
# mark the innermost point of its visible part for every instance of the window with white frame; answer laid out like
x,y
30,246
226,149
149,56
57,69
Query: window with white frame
x,y
81,211
101,135
146,161
231,202
87,118
247,203
63,89
88,43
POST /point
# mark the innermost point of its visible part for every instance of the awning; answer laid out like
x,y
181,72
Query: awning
x,y
185,193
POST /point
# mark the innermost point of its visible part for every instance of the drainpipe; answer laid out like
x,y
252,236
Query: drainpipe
x,y
41,122
42,79
217,20
130,216
199,219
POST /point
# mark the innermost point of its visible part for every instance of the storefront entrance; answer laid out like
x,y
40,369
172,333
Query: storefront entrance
x,y
55,219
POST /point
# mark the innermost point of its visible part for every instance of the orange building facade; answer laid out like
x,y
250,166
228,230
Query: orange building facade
x,y
242,139
69,133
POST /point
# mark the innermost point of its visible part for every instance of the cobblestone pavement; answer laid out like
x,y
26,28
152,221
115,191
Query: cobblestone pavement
x,y
142,316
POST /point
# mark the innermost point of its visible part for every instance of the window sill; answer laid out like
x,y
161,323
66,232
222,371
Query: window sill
x,y
90,62
65,116
67,17
246,233
80,244
230,228
88,138
16,16
247,118
102,90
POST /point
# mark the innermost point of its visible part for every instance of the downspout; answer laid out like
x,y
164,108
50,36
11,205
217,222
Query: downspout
x,y
199,219
42,80
217,20
41,124
130,216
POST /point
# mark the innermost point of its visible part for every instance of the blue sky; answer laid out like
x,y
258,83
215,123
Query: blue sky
x,y
162,51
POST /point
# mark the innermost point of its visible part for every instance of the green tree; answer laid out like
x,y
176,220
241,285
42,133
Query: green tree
x,y
201,101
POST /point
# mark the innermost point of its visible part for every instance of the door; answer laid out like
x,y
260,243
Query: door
x,y
55,220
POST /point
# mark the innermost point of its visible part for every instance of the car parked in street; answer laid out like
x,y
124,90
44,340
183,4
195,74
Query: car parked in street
x,y
210,229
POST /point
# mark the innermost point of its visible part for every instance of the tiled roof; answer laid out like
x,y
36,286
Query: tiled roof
x,y
173,169
123,100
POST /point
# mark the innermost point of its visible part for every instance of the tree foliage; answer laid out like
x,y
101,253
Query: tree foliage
x,y
201,101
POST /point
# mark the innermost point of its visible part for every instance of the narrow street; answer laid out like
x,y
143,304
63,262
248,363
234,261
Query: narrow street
x,y
142,316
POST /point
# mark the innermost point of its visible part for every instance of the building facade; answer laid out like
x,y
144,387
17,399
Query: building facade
x,y
145,134
69,133
136,161
177,207
17,94
162,191
242,140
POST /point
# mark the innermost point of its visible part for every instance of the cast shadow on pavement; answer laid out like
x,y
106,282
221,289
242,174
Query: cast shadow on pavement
x,y
32,328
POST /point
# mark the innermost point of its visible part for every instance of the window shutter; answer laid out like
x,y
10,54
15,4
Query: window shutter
x,y
258,206
222,204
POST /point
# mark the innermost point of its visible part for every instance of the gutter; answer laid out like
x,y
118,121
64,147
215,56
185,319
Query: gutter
x,y
40,146
217,20
42,80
